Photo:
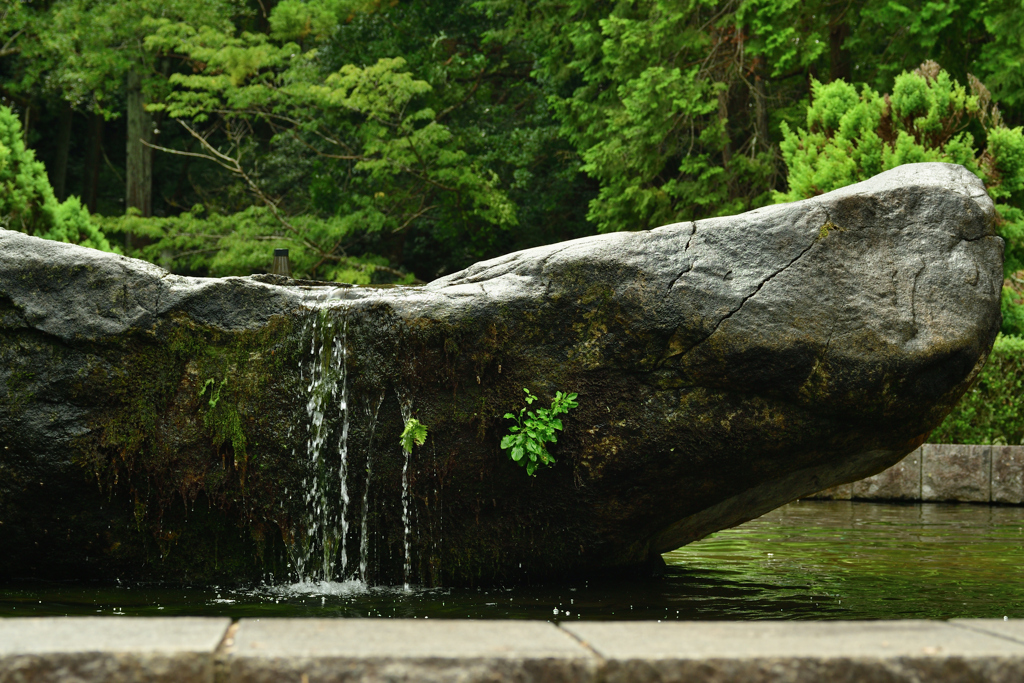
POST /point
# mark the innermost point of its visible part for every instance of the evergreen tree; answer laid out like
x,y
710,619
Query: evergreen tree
x,y
91,56
656,99
27,203
851,136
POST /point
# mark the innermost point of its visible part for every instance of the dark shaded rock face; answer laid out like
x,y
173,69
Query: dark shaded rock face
x,y
162,427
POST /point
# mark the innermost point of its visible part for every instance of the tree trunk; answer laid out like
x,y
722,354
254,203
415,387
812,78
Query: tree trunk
x,y
91,181
761,112
840,58
59,172
139,166
723,119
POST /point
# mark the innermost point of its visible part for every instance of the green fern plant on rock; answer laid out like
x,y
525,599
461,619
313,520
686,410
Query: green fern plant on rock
x,y
525,442
415,433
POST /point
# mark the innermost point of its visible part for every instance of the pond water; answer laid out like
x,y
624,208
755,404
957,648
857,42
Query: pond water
x,y
806,560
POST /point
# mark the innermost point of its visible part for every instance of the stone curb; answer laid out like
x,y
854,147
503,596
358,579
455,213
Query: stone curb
x,y
944,473
94,649
115,649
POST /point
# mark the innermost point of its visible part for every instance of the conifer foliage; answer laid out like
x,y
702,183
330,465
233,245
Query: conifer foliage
x,y
27,202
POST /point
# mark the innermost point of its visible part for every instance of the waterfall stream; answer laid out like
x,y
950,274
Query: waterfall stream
x,y
406,523
320,549
324,375
343,443
364,539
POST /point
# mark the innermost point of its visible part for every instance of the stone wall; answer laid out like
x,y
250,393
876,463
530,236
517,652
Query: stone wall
x,y
943,473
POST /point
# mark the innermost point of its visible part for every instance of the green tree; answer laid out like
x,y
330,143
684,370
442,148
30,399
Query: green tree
x,y
851,136
381,160
27,203
92,54
655,98
376,139
991,411
1001,59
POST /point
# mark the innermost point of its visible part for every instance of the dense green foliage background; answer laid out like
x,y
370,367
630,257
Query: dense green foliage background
x,y
992,411
383,141
399,141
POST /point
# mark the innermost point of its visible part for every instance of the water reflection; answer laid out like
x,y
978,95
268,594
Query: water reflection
x,y
864,560
807,560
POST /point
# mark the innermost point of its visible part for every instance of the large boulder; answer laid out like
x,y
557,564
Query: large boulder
x,y
163,427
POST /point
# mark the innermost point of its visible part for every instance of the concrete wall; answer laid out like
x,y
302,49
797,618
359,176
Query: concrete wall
x,y
944,472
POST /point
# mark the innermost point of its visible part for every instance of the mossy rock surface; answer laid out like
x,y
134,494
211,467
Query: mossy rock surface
x,y
159,427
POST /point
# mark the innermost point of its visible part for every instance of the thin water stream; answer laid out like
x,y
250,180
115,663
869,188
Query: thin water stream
x,y
406,520
364,537
807,560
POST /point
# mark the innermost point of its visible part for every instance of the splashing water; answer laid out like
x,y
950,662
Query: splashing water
x,y
349,588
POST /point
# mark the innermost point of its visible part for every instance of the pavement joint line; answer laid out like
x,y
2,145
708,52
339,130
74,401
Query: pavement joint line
x,y
990,459
601,660
225,644
221,668
993,633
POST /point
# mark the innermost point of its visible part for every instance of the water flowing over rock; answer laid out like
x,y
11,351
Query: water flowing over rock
x,y
163,427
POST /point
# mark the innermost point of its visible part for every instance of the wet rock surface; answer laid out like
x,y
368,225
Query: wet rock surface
x,y
156,426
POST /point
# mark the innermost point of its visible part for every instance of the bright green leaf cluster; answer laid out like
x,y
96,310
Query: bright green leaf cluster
x,y
852,136
525,442
27,202
415,433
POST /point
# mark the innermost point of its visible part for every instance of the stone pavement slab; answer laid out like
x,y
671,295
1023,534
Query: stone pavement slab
x,y
95,649
1013,629
786,651
321,650
115,649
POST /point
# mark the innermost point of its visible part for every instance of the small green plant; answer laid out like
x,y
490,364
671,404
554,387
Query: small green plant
x,y
415,433
215,394
525,441
827,228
